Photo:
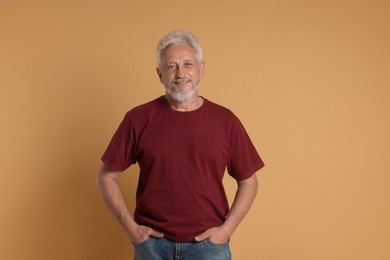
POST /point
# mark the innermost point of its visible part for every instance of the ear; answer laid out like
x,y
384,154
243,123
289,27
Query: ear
x,y
159,74
201,70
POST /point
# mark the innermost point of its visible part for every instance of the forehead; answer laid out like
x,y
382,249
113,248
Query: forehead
x,y
178,52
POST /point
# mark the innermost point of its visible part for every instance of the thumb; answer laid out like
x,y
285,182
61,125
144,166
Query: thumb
x,y
155,233
202,236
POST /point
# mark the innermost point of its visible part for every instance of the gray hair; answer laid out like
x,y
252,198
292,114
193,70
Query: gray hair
x,y
178,38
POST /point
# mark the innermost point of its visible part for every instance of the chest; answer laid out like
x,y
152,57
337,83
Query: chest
x,y
166,138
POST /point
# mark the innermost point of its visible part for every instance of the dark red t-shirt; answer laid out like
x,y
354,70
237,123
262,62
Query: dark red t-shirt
x,y
182,158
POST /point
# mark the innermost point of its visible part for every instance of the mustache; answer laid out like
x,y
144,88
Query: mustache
x,y
181,80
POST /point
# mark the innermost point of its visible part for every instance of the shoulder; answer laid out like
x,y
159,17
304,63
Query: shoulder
x,y
143,114
219,110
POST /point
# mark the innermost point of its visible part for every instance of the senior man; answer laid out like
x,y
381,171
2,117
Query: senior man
x,y
183,144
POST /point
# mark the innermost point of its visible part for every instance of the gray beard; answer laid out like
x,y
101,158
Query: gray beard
x,y
181,96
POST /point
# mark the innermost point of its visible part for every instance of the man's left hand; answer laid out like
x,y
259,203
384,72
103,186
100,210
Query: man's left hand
x,y
216,235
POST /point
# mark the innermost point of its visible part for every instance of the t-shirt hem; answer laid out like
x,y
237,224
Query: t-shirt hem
x,y
250,173
114,167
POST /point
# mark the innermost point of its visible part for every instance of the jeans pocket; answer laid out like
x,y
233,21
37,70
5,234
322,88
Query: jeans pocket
x,y
142,243
217,251
209,242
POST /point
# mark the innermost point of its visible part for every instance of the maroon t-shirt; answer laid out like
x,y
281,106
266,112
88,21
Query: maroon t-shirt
x,y
182,158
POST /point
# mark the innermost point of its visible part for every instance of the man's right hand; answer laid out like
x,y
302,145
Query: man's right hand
x,y
143,232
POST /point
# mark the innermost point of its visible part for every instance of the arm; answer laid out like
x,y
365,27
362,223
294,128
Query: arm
x,y
245,195
107,184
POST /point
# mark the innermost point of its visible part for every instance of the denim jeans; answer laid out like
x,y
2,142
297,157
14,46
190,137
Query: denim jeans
x,y
165,249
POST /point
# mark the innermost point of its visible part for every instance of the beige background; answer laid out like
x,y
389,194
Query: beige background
x,y
309,79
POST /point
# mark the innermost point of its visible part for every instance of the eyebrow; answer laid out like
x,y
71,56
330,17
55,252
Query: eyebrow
x,y
185,60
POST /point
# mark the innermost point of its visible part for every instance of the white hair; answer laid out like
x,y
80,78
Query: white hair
x,y
178,38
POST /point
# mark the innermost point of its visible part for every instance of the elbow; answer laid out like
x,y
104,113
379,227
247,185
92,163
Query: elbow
x,y
250,184
255,185
106,176
98,179
101,176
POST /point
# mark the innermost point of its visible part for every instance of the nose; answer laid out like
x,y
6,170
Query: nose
x,y
179,72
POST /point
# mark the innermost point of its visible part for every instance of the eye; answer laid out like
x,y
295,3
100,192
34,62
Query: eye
x,y
188,64
171,67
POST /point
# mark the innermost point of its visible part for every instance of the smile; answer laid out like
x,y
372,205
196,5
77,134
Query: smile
x,y
181,81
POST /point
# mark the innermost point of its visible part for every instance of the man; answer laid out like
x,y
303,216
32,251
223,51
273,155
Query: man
x,y
183,144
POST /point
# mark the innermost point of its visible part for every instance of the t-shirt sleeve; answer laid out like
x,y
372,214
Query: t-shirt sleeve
x,y
244,160
120,153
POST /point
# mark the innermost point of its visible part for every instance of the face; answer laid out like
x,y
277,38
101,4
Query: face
x,y
180,71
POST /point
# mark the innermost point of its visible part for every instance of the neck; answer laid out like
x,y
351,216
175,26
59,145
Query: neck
x,y
185,106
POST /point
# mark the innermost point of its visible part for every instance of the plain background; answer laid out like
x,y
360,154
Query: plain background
x,y
309,79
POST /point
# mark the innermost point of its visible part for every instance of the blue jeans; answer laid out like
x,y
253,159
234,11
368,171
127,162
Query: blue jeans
x,y
165,249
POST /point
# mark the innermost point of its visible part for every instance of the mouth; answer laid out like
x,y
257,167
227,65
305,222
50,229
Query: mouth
x,y
182,81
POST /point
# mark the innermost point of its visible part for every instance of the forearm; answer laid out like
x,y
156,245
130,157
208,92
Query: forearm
x,y
242,203
107,184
